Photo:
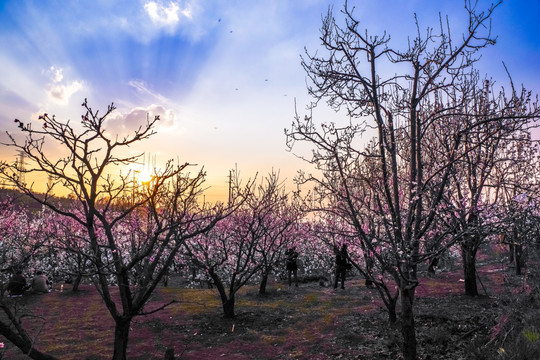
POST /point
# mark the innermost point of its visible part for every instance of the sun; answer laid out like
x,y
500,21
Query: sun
x,y
144,176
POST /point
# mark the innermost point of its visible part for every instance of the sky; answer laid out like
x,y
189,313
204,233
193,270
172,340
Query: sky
x,y
224,76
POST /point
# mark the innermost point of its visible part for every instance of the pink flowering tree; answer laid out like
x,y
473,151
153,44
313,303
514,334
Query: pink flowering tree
x,y
226,255
315,246
248,245
501,122
24,245
516,188
67,253
369,249
274,225
88,165
25,242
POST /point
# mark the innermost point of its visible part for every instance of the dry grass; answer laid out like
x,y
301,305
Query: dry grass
x,y
308,322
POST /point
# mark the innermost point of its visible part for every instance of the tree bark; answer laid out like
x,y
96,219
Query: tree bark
x,y
518,257
226,301
169,354
264,282
407,324
468,254
228,307
392,316
433,263
76,282
121,336
511,251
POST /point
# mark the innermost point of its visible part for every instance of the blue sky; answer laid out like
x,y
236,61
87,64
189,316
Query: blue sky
x,y
223,75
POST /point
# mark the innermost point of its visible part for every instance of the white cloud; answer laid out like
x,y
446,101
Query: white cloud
x,y
166,16
147,20
62,93
125,123
59,91
56,74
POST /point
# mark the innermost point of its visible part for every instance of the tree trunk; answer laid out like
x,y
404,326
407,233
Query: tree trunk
x,y
511,251
121,336
369,269
227,302
433,263
518,254
76,283
468,255
389,301
264,282
392,317
407,324
228,307
165,279
169,354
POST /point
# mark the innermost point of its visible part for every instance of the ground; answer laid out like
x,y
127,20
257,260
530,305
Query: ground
x,y
308,322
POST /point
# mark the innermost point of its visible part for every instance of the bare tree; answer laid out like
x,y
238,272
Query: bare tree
x,y
502,121
14,331
401,107
515,188
170,202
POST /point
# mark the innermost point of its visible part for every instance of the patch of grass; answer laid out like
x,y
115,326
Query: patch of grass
x,y
191,301
531,335
328,318
311,299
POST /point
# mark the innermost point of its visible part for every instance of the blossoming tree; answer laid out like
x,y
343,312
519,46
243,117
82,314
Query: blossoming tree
x,y
87,165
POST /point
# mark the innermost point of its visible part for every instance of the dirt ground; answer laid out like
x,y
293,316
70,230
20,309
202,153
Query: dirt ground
x,y
305,322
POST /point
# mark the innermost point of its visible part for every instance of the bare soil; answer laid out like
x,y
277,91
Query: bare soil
x,y
305,322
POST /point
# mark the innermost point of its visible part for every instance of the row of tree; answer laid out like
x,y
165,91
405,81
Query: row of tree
x,y
115,231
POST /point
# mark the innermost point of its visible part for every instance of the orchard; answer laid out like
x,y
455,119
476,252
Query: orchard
x,y
431,181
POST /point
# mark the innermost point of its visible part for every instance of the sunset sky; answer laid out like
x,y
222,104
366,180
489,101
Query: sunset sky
x,y
223,75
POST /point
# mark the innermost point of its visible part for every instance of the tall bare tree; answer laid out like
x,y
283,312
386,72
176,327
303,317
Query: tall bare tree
x,y
419,94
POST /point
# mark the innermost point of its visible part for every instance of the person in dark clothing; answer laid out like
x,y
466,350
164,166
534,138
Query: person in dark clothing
x,y
342,259
292,266
17,284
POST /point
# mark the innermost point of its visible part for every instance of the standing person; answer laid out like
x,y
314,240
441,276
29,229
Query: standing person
x,y
341,265
17,284
292,266
40,283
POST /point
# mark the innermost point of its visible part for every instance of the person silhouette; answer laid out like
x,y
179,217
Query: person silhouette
x,y
292,266
342,259
17,284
